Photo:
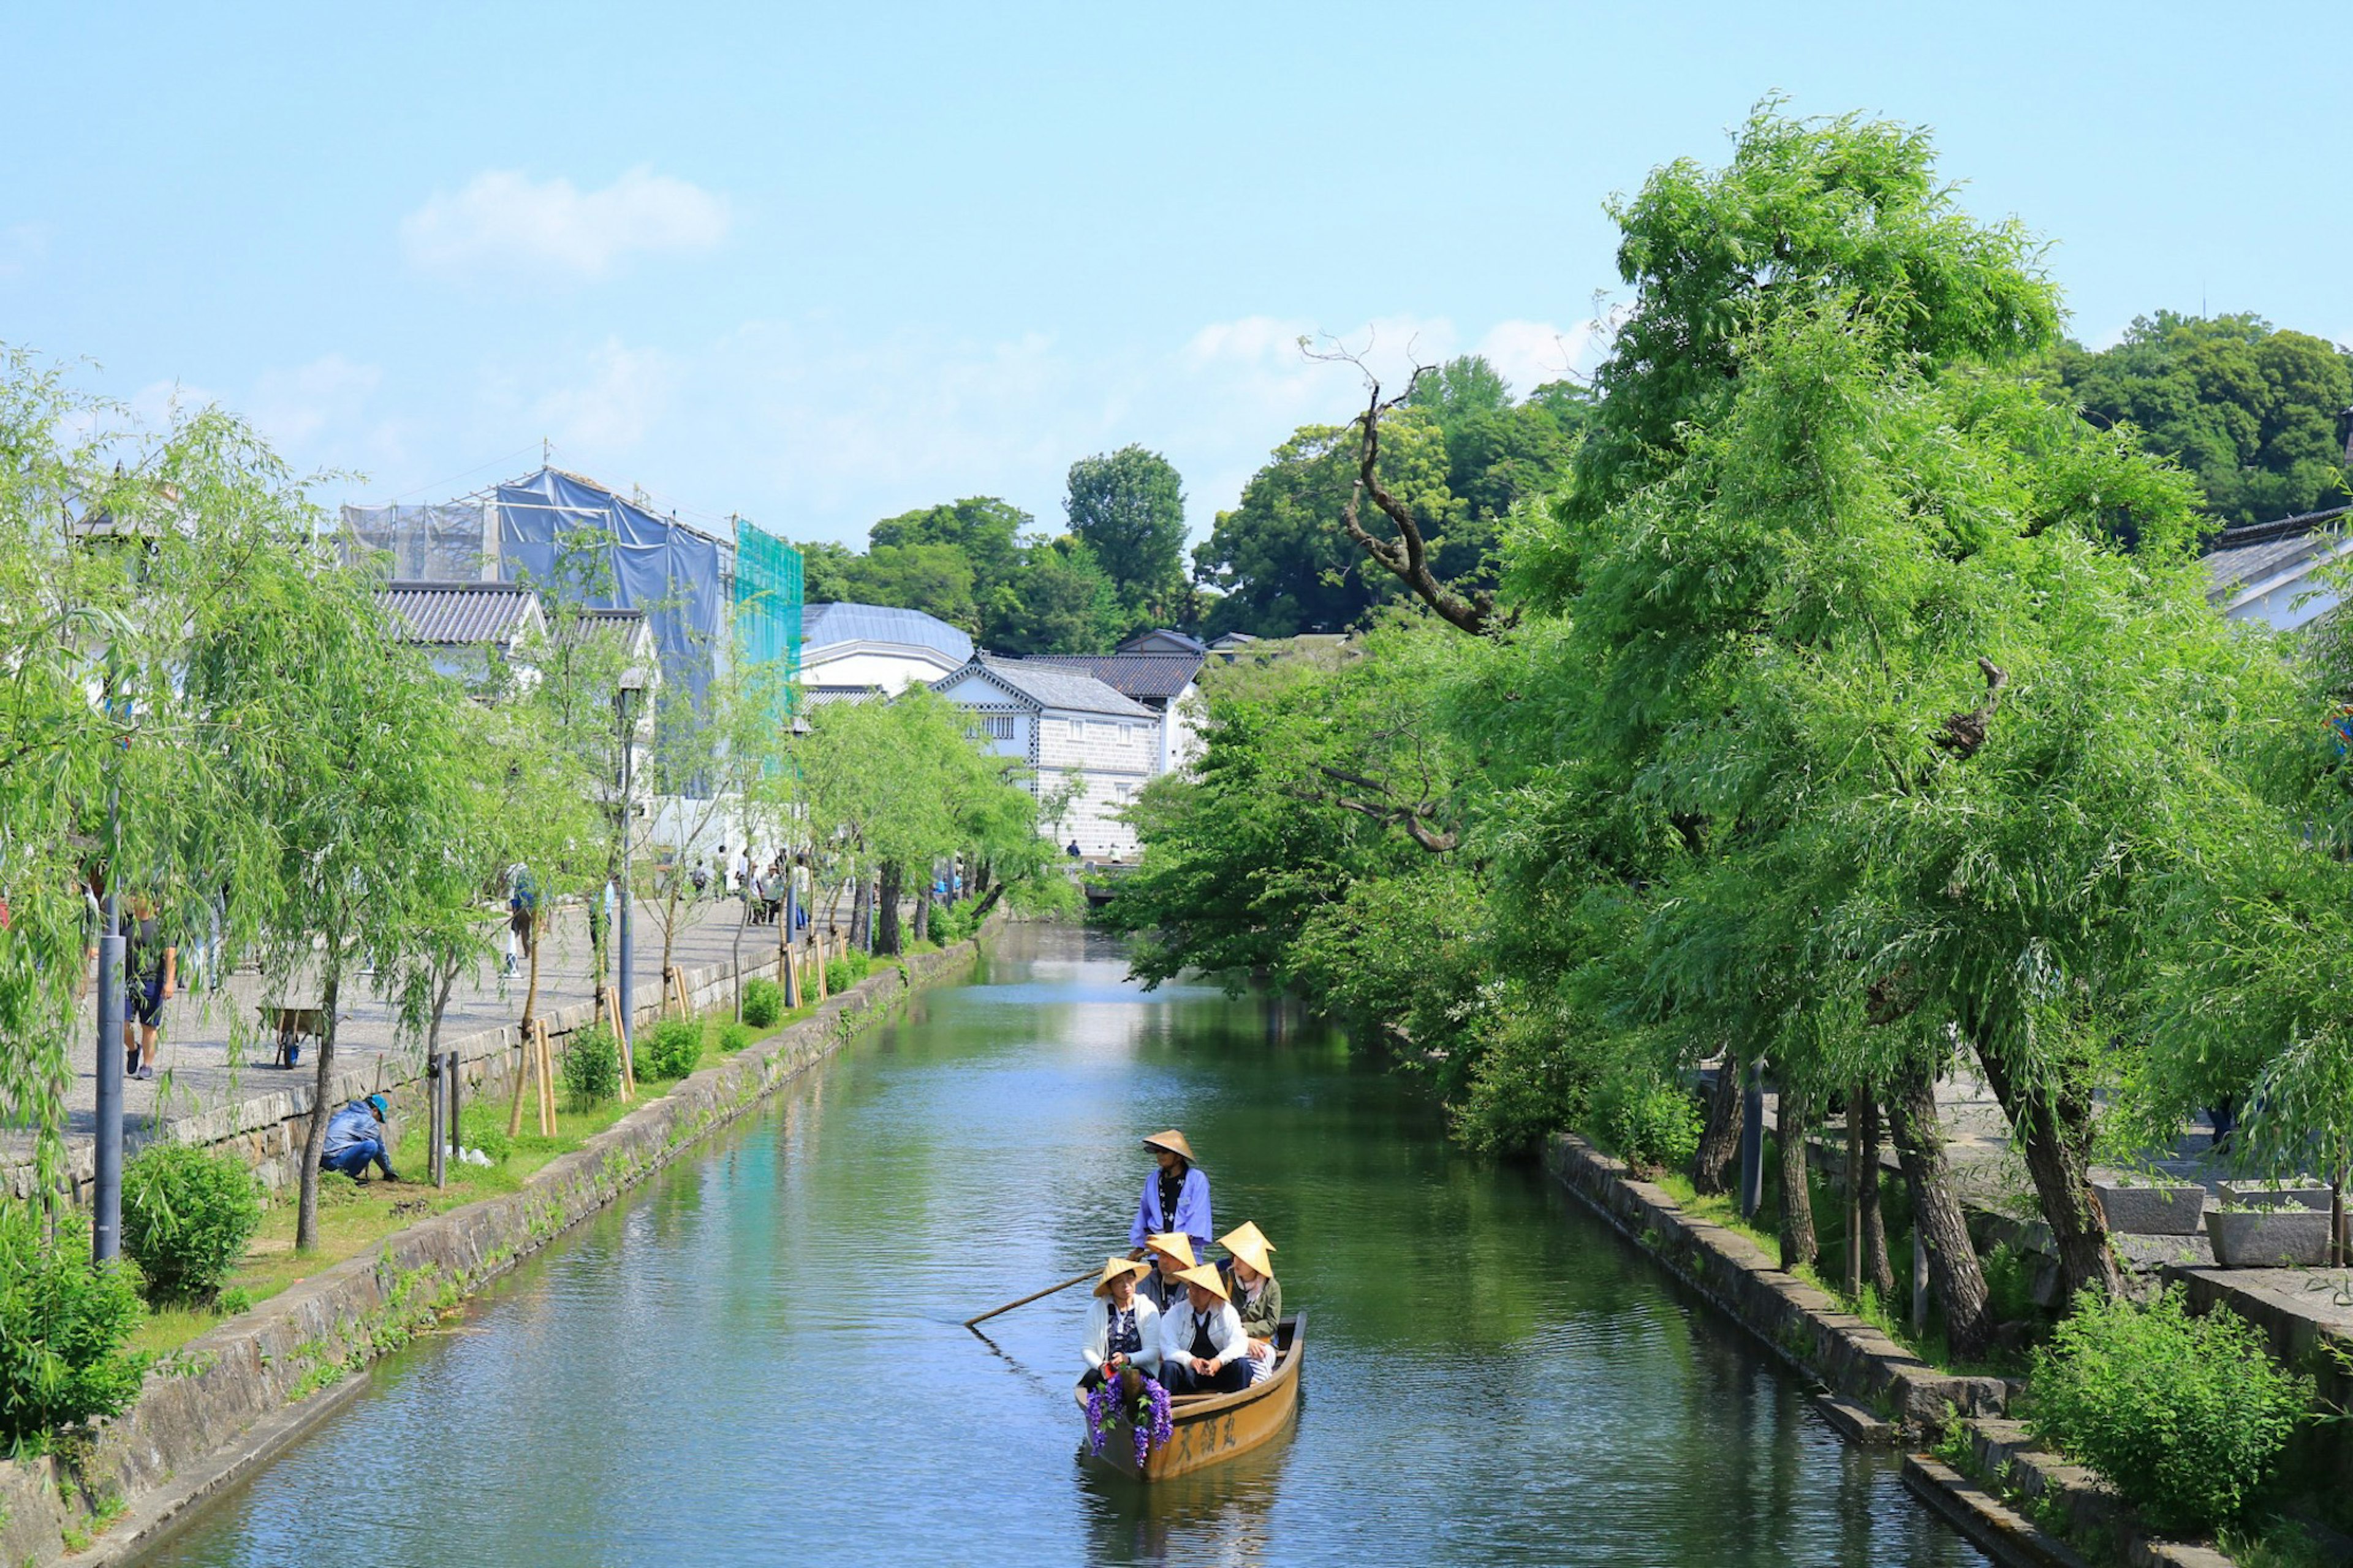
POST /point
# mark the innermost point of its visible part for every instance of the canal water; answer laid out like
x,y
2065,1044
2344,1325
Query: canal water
x,y
756,1359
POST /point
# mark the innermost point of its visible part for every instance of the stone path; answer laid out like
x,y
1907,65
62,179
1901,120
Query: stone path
x,y
212,1050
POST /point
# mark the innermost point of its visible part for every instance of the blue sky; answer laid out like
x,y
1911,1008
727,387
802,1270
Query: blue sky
x,y
819,264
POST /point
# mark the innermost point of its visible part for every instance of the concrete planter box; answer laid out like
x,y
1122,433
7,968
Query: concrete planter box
x,y
2275,1238
2170,1209
2297,1192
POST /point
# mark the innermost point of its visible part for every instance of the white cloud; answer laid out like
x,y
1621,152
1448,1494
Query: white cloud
x,y
816,431
22,245
610,405
504,222
293,407
1531,353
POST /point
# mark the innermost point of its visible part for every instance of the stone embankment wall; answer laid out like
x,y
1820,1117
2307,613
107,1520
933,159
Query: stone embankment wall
x,y
1803,1322
229,1399
265,1129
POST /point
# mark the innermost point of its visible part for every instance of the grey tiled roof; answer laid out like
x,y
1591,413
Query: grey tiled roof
x,y
1159,639
1146,676
1069,691
460,614
2254,553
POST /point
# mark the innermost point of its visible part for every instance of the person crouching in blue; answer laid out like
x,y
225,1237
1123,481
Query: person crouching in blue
x,y
356,1139
1176,1197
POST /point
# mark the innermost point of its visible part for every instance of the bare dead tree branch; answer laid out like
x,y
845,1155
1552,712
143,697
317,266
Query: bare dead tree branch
x,y
1405,557
1418,819
1963,733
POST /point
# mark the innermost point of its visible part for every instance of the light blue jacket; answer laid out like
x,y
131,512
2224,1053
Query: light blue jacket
x,y
354,1123
1192,1214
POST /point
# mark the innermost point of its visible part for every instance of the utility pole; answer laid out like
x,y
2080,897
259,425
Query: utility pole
x,y
106,1201
1752,1142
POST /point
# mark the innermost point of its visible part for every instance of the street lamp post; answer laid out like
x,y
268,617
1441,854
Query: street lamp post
x,y
625,701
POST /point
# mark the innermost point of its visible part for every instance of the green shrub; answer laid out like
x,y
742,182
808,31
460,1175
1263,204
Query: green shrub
x,y
2184,1416
1647,1123
592,1066
734,1037
484,1127
2010,1285
187,1214
951,924
669,1050
846,969
63,1324
763,1003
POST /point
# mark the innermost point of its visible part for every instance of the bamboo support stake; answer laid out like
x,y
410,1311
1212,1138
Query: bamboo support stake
x,y
523,1070
547,1083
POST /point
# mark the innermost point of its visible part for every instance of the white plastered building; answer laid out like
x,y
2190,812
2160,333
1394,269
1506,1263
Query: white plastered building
x,y
1064,723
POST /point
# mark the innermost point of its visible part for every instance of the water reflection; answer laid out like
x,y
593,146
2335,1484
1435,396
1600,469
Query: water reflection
x,y
760,1360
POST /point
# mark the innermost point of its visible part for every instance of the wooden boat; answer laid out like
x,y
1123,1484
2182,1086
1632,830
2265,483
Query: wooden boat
x,y
1211,1429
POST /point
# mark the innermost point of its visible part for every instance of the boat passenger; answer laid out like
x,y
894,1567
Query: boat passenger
x,y
1176,1197
1256,1295
1172,1254
1123,1328
1202,1347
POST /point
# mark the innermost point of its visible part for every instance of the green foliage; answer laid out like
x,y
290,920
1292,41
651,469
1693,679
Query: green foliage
x,y
1461,453
2010,1285
592,1066
2184,1416
763,1002
733,1037
187,1216
63,1323
1128,506
952,923
483,1128
845,969
2251,411
975,564
669,1048
1651,1125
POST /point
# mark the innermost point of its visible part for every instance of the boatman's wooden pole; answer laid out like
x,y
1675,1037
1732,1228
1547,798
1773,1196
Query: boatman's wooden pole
x,y
1036,1296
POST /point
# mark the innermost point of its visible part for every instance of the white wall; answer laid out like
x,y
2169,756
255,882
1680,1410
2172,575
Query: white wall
x,y
1115,758
893,669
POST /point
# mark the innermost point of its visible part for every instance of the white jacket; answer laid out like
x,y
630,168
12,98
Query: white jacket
x,y
1225,1327
1147,1328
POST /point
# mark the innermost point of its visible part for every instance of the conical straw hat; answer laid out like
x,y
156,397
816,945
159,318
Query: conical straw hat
x,y
1115,1266
1207,1279
1246,1242
1173,1142
1176,1244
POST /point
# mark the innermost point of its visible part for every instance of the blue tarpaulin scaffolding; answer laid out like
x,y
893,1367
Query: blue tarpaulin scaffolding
x,y
687,581
683,578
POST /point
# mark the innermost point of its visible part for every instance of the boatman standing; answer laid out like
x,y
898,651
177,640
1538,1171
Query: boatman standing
x,y
1176,1197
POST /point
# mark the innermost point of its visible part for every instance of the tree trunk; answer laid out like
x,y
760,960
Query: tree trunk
x,y
1799,1245
600,960
1853,1186
669,935
923,911
525,1064
886,929
1720,1142
735,955
1877,1272
2058,1139
1953,1269
862,911
314,1137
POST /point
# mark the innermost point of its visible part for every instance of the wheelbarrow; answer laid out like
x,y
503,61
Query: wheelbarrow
x,y
292,1026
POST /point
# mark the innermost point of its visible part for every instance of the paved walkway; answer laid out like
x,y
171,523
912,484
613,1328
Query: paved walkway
x,y
212,1049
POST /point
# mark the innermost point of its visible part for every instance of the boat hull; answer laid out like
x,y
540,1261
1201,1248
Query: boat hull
x,y
1208,1429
